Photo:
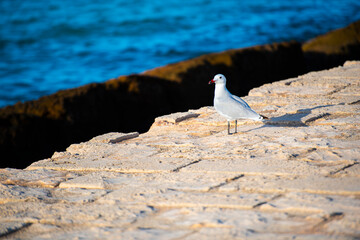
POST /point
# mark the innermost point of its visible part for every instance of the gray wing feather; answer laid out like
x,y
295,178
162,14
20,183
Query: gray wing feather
x,y
240,101
234,107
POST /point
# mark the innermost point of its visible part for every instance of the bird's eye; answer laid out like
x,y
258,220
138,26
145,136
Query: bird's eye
x,y
220,77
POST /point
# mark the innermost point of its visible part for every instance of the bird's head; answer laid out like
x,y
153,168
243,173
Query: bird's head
x,y
219,78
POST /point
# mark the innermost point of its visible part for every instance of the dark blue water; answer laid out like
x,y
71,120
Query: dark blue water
x,y
48,45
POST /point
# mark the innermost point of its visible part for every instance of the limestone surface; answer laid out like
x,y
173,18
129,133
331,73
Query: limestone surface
x,y
296,176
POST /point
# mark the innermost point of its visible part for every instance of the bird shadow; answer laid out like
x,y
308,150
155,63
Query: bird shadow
x,y
295,119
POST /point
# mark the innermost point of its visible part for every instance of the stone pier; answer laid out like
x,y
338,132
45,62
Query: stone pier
x,y
296,176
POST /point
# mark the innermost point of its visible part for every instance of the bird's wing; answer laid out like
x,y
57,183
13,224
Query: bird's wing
x,y
242,102
233,108
247,105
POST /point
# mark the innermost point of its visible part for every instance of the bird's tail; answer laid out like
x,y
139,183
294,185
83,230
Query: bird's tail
x,y
264,117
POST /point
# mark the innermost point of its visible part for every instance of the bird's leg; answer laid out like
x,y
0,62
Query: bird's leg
x,y
235,126
228,127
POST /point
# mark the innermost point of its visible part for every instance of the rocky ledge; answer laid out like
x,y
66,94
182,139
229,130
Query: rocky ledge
x,y
294,176
33,130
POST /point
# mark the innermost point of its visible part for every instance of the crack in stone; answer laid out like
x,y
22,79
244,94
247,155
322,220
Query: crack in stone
x,y
355,102
333,216
11,231
342,169
265,202
259,204
227,181
338,89
319,227
317,117
185,165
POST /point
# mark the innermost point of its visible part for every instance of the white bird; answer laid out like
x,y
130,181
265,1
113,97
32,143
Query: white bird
x,y
230,106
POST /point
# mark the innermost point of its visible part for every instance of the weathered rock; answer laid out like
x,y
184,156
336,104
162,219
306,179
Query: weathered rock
x,y
333,48
294,176
33,130
114,137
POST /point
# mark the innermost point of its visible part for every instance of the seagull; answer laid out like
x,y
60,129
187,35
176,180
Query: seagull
x,y
230,106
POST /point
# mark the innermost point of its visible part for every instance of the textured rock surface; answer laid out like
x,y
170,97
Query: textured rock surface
x,y
296,176
33,130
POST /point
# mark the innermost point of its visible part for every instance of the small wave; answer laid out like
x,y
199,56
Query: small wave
x,y
24,21
66,30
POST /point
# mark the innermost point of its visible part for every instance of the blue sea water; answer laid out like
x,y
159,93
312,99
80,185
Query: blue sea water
x,y
48,45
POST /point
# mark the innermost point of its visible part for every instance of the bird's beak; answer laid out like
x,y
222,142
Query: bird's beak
x,y
211,81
